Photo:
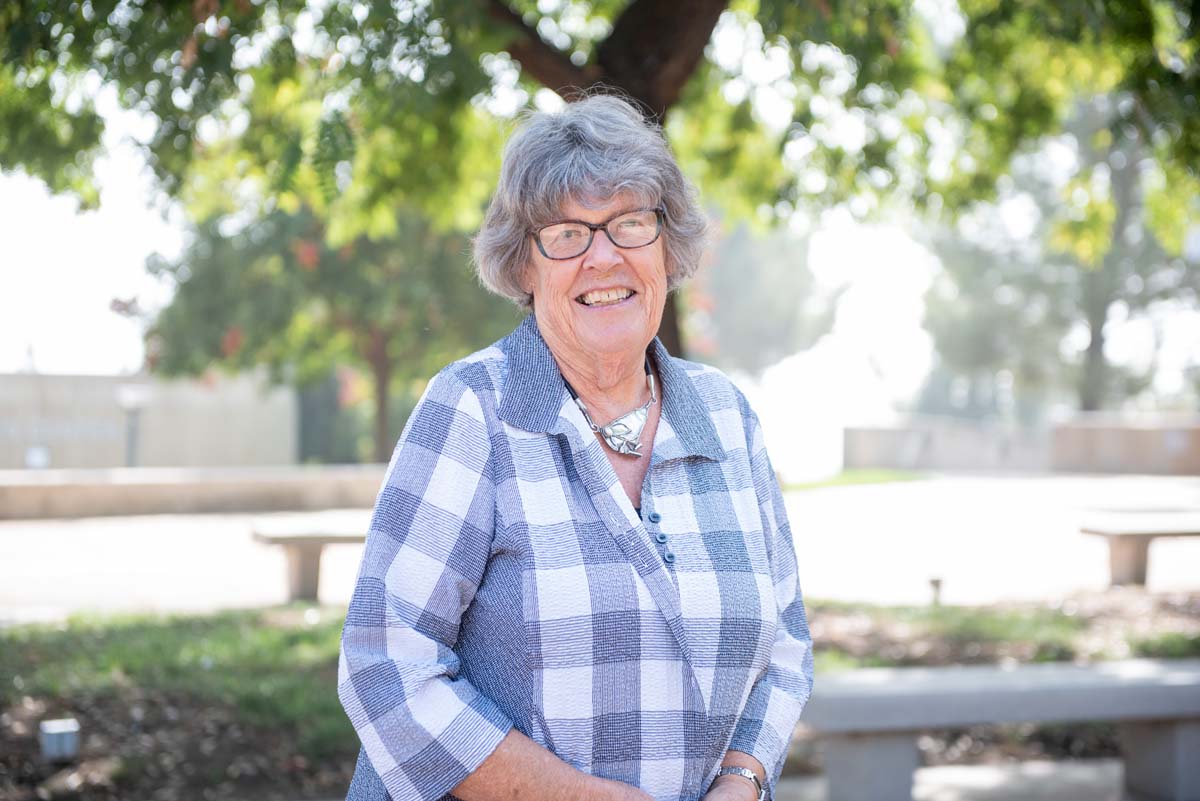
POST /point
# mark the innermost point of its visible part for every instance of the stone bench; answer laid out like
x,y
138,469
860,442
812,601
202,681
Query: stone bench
x,y
870,719
1129,535
303,536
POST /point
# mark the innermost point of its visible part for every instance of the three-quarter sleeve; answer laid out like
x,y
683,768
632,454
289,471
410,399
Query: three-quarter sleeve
x,y
423,727
777,698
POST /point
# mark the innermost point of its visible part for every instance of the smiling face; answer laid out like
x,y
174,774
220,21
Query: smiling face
x,y
604,304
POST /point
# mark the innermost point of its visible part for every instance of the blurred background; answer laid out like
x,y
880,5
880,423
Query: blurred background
x,y
955,265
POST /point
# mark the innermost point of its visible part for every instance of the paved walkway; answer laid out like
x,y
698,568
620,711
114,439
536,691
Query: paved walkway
x,y
988,538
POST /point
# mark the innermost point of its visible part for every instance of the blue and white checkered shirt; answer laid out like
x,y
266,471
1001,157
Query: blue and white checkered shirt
x,y
507,581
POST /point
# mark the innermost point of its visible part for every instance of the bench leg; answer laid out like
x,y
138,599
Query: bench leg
x,y
878,767
1161,759
303,571
1127,559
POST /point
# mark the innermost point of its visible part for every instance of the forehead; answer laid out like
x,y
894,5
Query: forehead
x,y
599,209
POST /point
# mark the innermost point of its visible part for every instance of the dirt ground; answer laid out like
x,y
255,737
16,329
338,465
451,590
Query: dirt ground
x,y
159,748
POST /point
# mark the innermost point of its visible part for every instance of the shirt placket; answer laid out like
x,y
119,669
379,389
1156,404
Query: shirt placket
x,y
601,483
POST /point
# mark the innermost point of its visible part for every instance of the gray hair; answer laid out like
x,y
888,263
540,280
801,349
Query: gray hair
x,y
589,151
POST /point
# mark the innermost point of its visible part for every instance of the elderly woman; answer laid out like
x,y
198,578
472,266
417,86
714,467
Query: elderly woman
x,y
579,581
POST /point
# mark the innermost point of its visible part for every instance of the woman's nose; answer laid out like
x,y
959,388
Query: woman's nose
x,y
602,253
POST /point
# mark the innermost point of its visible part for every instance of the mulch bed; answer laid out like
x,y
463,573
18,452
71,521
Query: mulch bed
x,y
137,745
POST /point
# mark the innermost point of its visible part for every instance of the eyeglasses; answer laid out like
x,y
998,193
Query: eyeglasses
x,y
571,238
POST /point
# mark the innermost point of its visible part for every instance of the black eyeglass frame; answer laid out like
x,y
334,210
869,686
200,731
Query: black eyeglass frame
x,y
659,216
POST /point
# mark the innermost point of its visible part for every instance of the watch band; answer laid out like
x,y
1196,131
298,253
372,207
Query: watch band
x,y
745,773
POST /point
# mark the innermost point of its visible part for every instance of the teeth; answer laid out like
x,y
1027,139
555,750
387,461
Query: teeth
x,y
603,296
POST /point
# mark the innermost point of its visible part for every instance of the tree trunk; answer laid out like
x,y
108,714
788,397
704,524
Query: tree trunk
x,y
668,329
381,376
1103,286
1096,300
1095,371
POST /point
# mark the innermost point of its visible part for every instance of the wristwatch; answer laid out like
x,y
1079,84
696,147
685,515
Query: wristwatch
x,y
745,773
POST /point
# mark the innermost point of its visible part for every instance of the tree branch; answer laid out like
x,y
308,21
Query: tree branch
x,y
656,45
547,66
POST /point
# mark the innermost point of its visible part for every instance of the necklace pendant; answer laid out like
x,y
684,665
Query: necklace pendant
x,y
624,434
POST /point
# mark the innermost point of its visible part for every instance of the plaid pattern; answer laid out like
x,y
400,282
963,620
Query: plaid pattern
x,y
508,581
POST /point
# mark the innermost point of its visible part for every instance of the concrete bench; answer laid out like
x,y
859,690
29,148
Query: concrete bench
x,y
870,719
1129,535
303,536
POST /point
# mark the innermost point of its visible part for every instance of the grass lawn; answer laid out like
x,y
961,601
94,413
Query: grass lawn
x,y
277,667
851,477
850,635
244,705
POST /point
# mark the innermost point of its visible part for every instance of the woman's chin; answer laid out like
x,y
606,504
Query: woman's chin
x,y
620,328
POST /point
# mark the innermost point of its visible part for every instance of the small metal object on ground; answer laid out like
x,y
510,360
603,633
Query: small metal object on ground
x,y
59,739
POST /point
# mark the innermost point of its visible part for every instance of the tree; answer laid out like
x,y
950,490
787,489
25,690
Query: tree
x,y
1006,303
399,306
884,101
406,77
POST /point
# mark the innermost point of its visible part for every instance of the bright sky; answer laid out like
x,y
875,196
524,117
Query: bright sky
x,y
61,268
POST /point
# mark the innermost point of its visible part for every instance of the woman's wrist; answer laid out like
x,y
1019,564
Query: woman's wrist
x,y
732,787
740,773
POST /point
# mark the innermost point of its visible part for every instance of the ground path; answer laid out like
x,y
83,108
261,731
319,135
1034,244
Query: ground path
x,y
989,538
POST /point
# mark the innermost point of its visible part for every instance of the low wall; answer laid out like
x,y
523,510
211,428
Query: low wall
x,y
147,490
70,422
1159,445
1167,447
946,444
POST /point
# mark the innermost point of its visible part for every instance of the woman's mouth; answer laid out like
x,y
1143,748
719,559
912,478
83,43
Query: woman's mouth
x,y
604,297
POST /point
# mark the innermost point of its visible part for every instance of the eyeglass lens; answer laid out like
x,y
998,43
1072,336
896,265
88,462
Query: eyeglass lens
x,y
569,239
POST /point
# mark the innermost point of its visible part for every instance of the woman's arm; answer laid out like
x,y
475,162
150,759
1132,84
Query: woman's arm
x,y
425,729
776,700
519,768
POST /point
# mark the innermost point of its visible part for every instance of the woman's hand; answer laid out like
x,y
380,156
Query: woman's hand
x,y
731,788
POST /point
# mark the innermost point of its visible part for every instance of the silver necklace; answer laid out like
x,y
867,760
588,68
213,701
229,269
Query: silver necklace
x,y
624,434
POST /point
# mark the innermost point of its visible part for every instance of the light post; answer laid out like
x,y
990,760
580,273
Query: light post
x,y
132,398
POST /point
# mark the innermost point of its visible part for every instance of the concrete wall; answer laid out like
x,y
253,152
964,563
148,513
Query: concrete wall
x,y
1106,445
78,421
1087,444
932,443
143,490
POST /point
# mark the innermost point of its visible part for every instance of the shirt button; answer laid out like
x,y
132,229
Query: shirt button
x,y
669,557
655,517
660,537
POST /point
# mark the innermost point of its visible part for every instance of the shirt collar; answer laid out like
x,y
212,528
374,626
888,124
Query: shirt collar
x,y
534,392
